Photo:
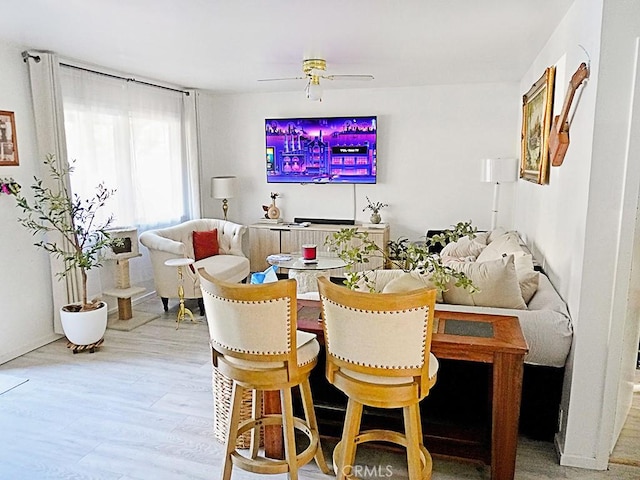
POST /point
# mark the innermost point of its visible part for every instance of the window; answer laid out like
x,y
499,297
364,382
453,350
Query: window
x,y
131,137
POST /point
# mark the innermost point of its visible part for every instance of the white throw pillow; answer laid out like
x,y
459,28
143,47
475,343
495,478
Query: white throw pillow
x,y
497,233
505,243
408,281
509,244
465,247
496,280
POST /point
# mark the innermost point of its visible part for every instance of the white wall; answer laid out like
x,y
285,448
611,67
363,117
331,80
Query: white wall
x,y
578,222
430,142
26,321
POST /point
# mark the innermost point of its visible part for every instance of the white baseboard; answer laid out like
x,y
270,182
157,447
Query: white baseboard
x,y
589,463
28,347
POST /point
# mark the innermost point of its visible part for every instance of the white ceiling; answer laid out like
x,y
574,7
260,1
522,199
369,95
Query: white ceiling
x,y
227,45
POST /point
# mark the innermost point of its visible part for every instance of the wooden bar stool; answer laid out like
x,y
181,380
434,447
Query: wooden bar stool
x,y
255,343
378,353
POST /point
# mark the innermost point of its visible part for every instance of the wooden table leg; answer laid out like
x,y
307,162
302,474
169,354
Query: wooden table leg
x,y
273,440
507,392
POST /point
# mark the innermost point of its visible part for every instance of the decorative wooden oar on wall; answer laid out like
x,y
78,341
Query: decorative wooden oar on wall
x,y
559,135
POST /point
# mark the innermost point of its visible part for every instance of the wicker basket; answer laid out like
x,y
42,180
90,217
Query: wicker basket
x,y
222,388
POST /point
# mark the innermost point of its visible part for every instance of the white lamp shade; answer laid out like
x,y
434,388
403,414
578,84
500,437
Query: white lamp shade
x,y
223,187
499,170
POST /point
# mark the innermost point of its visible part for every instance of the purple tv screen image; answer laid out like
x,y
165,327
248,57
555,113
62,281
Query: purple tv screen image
x,y
321,150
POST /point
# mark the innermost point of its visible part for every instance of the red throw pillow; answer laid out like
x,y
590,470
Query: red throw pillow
x,y
205,244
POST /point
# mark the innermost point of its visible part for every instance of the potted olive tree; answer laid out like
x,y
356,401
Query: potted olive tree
x,y
70,229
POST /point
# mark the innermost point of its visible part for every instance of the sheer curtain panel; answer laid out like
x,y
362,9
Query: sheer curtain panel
x,y
135,138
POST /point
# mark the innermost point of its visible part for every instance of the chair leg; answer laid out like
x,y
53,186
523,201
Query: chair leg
x,y
201,306
289,433
165,303
348,443
310,416
232,431
413,433
256,412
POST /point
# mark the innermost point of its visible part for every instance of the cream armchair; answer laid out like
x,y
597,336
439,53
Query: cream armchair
x,y
230,265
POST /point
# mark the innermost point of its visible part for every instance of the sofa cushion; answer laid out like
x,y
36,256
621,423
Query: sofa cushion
x,y
229,268
509,244
465,247
496,280
205,244
408,281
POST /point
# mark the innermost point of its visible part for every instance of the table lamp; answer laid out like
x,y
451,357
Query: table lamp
x,y
497,171
224,188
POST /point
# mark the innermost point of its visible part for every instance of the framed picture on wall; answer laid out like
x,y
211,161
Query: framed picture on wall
x,y
537,106
8,142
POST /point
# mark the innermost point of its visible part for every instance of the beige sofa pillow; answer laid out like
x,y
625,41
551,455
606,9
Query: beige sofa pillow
x,y
509,244
496,233
406,282
465,247
496,280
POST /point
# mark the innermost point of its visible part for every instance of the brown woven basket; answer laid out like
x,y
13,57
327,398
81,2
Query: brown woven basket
x,y
222,388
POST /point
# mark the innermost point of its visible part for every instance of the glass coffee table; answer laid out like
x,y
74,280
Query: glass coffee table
x,y
306,272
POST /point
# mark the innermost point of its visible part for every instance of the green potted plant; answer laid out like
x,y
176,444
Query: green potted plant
x,y
375,208
355,247
72,232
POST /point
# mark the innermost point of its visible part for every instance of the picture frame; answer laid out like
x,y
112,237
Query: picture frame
x,y
8,140
537,107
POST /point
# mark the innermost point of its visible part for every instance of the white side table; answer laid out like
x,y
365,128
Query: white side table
x,y
179,263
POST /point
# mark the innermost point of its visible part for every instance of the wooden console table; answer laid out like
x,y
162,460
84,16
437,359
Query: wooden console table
x,y
489,339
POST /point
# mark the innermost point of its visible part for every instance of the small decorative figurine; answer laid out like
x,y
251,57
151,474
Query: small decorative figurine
x,y
272,211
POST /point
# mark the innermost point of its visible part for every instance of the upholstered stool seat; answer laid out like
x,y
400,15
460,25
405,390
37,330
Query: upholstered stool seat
x,y
378,353
255,343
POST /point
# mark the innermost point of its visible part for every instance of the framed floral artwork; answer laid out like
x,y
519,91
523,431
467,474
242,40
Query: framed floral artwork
x,y
537,106
8,142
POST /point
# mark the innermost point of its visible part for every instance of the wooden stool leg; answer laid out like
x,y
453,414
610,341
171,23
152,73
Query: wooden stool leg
x,y
256,412
348,443
310,416
289,433
413,434
232,431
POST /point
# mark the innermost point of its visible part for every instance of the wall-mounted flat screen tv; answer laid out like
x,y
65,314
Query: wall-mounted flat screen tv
x,y
321,150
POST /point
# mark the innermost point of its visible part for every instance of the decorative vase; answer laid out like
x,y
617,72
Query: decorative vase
x,y
273,212
375,217
84,328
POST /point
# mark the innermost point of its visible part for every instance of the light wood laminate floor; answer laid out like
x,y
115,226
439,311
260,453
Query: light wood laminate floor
x,y
141,408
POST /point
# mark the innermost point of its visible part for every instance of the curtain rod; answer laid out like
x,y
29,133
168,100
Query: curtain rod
x,y
36,58
62,64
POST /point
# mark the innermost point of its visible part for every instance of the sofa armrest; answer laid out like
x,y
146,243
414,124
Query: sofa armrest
x,y
155,242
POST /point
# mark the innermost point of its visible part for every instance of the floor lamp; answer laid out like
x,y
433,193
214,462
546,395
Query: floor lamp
x,y
224,188
497,171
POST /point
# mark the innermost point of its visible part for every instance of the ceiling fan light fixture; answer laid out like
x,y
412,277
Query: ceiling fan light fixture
x,y
314,89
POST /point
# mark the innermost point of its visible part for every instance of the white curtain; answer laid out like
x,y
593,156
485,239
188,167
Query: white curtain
x,y
48,112
192,148
135,138
140,140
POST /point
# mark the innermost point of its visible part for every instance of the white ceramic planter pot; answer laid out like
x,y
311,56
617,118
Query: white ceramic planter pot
x,y
84,328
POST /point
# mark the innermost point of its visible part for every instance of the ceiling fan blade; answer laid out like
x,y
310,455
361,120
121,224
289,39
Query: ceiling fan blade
x,y
280,79
348,77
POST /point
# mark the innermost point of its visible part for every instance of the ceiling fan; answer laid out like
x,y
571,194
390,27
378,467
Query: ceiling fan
x,y
314,69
